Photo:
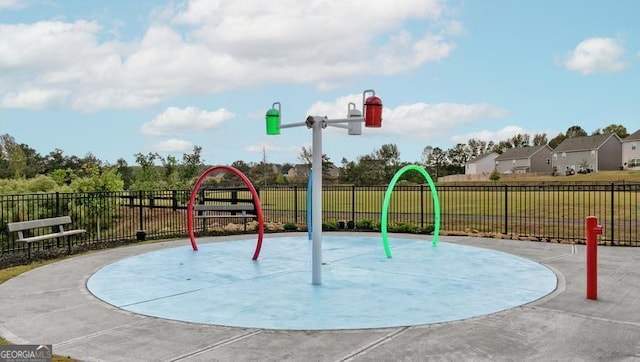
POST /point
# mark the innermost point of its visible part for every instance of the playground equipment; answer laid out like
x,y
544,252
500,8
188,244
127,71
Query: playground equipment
x,y
592,231
387,199
309,203
254,195
372,109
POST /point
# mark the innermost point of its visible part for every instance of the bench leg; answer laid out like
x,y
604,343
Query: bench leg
x,y
69,244
29,248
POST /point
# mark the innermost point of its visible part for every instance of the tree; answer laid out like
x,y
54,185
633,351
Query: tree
x,y
123,169
619,130
519,140
434,159
555,141
479,147
540,139
241,166
97,212
575,131
14,155
87,164
57,160
389,158
191,166
306,157
147,176
459,155
170,177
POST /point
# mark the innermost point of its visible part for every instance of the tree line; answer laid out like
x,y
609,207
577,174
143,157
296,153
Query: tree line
x,y
56,170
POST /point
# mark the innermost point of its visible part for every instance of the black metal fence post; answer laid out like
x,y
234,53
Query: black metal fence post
x,y
174,200
421,205
295,204
58,204
612,215
353,203
140,211
506,209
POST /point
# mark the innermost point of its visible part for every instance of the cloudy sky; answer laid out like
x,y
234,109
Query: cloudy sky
x,y
117,77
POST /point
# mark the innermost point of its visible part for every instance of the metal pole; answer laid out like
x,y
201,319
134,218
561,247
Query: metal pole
x,y
316,204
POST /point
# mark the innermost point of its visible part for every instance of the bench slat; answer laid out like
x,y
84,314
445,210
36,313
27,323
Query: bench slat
x,y
223,207
224,216
52,236
41,223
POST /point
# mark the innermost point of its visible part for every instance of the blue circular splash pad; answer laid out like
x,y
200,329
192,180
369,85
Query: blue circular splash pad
x,y
361,288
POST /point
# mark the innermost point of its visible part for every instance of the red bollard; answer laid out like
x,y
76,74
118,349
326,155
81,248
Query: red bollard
x,y
592,231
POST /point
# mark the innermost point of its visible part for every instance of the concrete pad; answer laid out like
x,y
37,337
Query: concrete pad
x,y
36,308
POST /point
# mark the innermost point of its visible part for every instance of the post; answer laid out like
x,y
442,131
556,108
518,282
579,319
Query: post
x,y
592,232
353,204
295,204
613,210
316,204
421,205
506,209
140,212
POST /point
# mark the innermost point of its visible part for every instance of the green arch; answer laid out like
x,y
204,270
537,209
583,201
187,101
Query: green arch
x,y
387,198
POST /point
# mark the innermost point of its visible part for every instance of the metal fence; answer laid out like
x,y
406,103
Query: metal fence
x,y
543,212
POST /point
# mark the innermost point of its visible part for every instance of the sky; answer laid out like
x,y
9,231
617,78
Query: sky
x,y
115,78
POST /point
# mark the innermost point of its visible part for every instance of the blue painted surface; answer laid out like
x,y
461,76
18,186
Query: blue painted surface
x,y
220,284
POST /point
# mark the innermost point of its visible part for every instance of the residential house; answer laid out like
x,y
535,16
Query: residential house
x,y
482,164
300,173
588,154
524,160
631,151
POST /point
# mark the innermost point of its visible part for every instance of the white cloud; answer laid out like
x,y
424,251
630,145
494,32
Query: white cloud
x,y
33,98
183,120
496,136
417,120
12,4
213,46
173,145
596,55
429,120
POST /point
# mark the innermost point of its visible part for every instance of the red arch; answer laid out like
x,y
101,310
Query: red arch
x,y
254,194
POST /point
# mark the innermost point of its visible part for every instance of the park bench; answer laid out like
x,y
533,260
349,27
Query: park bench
x,y
225,211
55,222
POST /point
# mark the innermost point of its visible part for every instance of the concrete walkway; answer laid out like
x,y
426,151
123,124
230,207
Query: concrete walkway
x,y
51,305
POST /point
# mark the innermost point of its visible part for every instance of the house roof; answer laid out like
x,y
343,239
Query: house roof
x,y
584,143
482,157
520,152
635,136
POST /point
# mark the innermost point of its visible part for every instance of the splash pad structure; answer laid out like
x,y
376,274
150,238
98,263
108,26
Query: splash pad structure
x,y
218,285
254,194
372,108
420,285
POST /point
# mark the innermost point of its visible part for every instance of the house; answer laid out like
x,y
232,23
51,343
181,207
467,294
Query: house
x,y
525,159
631,151
482,164
588,154
300,172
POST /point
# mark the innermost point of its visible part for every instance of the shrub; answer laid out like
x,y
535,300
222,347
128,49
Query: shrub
x,y
366,224
404,228
495,176
329,226
290,226
429,229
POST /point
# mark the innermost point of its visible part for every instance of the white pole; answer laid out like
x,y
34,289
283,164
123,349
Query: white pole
x,y
316,203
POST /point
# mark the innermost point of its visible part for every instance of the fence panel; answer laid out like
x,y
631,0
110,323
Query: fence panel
x,y
546,212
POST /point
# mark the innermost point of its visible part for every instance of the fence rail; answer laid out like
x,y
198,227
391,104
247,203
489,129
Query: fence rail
x,y
545,212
